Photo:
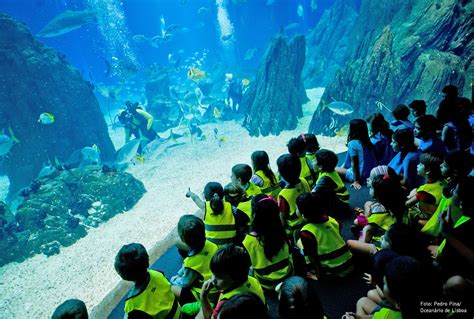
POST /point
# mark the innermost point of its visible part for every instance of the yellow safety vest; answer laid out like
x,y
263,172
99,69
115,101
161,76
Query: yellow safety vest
x,y
220,229
333,253
294,222
307,172
268,272
311,157
341,191
386,313
251,285
252,190
434,189
157,299
246,207
433,226
383,220
267,187
200,263
460,221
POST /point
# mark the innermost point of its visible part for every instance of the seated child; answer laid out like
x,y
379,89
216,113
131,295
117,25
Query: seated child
x,y
263,175
230,266
424,200
417,108
325,251
312,145
244,305
329,184
298,299
241,174
289,167
219,219
152,294
235,194
297,146
425,130
187,283
381,137
267,245
71,309
401,113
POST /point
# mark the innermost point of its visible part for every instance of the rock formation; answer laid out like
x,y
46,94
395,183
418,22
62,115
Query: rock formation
x,y
58,210
273,101
36,79
408,50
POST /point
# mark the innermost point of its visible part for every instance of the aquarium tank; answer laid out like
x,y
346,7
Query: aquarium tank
x,y
118,117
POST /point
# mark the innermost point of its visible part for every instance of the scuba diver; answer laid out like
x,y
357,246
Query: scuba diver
x,y
137,122
234,92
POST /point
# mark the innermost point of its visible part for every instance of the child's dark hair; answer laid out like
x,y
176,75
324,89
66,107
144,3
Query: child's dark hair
x,y
267,224
418,105
432,161
311,142
131,261
296,146
261,162
214,193
407,241
298,299
71,309
311,206
389,192
378,124
358,131
460,163
233,261
289,166
234,193
379,261
192,232
327,160
405,140
464,195
244,305
401,112
242,171
428,123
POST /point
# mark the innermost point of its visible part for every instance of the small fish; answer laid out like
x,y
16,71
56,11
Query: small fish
x,y
343,131
140,159
46,118
249,54
6,142
340,108
292,26
245,82
226,37
300,11
196,74
90,155
216,113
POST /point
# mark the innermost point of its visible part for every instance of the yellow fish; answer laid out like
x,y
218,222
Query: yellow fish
x,y
196,74
343,131
140,158
245,82
46,118
216,113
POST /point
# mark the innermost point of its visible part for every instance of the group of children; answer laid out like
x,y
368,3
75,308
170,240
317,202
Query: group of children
x,y
265,233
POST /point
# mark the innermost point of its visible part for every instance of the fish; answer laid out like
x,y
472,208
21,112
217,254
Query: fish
x,y
46,118
343,131
90,155
292,26
250,53
381,106
300,11
47,170
216,113
196,74
108,91
226,37
65,22
140,159
245,82
7,142
340,108
127,152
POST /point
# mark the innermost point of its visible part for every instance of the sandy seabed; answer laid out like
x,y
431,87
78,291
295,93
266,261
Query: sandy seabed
x,y
33,288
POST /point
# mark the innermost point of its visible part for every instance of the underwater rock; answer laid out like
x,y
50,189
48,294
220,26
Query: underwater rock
x,y
328,44
409,51
274,100
59,213
37,79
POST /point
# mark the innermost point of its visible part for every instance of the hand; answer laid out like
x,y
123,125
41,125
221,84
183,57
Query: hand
x,y
369,279
311,275
350,315
188,193
356,185
206,287
433,250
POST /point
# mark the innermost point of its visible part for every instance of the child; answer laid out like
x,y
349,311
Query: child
x,y
195,270
457,133
264,176
151,294
381,137
401,113
235,194
289,167
389,209
244,305
71,308
360,158
219,220
325,250
329,184
230,266
266,244
424,200
407,158
417,108
241,174
425,130
297,146
312,145
298,299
